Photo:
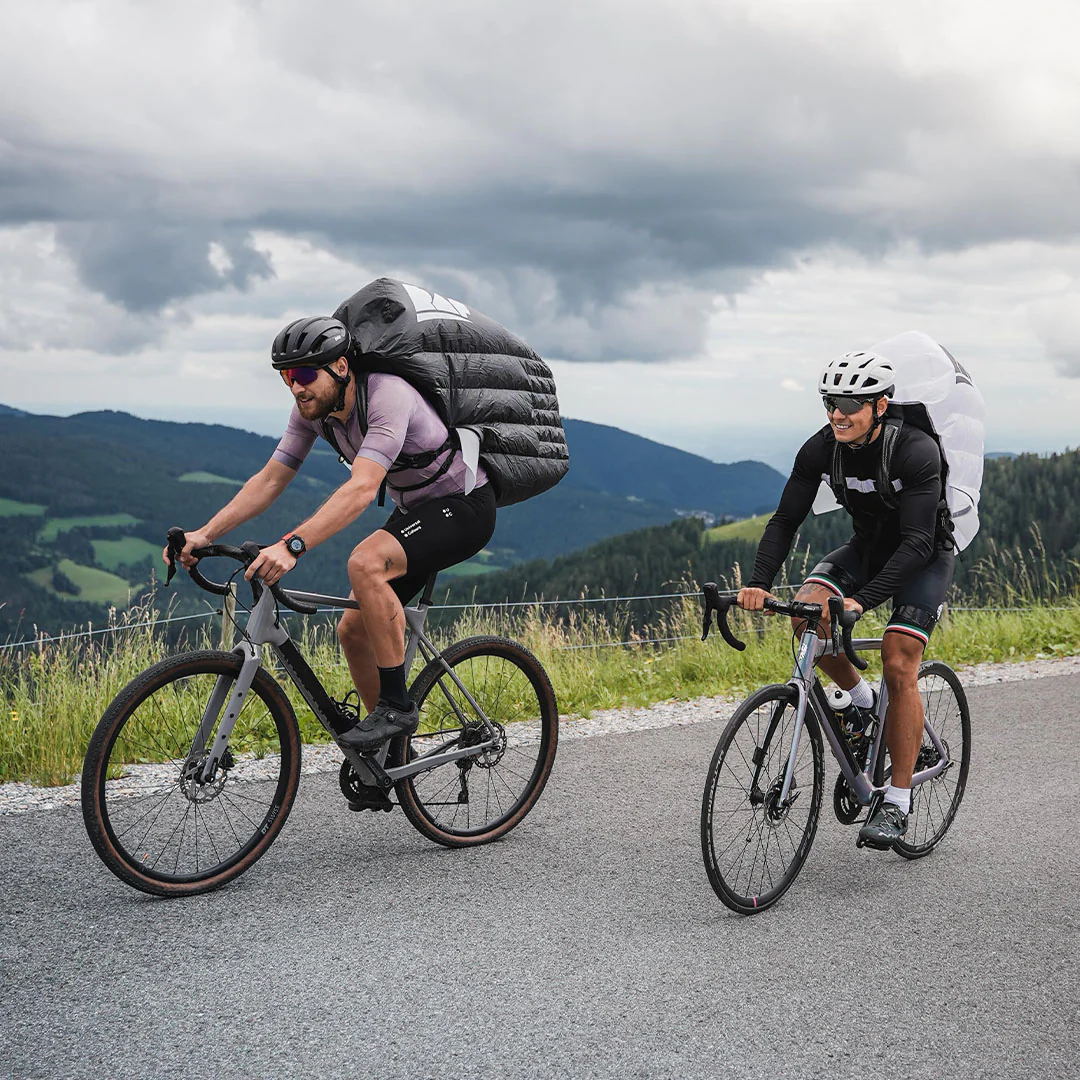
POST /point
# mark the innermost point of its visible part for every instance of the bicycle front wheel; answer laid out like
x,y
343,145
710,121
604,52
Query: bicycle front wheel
x,y
152,822
753,843
478,798
934,803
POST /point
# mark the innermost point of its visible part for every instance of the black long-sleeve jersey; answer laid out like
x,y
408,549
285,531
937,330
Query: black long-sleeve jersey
x,y
900,541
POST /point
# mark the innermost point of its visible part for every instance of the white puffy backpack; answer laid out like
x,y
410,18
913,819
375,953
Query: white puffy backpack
x,y
936,393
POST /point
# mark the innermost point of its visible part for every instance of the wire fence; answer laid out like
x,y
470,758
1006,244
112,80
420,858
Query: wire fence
x,y
224,613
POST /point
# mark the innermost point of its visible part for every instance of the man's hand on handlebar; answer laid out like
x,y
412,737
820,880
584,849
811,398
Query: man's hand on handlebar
x,y
192,540
754,599
852,605
272,564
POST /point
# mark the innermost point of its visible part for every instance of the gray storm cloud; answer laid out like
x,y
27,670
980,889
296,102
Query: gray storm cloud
x,y
142,265
603,164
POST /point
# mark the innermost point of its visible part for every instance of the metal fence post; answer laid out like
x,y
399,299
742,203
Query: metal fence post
x,y
228,615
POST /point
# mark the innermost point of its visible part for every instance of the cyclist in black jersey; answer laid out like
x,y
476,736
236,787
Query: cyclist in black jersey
x,y
897,551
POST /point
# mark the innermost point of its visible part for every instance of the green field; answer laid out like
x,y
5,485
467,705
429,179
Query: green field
x,y
132,549
747,529
55,526
209,478
11,508
480,563
468,569
97,586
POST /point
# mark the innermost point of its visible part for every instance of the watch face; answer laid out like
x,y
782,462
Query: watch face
x,y
295,545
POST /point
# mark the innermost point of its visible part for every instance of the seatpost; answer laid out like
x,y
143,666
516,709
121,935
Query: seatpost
x,y
429,590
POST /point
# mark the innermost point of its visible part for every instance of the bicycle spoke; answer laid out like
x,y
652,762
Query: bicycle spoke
x,y
509,728
752,841
166,824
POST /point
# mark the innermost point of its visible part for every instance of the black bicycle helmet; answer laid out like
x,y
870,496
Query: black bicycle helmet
x,y
315,341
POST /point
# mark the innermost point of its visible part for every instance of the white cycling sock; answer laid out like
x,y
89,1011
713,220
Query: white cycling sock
x,y
899,796
862,694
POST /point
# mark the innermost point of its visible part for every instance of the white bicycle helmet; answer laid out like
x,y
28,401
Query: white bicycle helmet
x,y
857,374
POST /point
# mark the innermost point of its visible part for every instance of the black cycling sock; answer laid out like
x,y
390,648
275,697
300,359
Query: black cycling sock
x,y
392,687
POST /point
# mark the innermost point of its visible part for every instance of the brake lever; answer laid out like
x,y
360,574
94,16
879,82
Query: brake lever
x,y
714,602
840,623
711,593
175,541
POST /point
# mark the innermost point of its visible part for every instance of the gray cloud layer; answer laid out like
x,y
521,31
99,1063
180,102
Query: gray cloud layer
x,y
597,161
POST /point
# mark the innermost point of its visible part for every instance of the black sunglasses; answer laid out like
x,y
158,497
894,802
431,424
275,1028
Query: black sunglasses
x,y
847,405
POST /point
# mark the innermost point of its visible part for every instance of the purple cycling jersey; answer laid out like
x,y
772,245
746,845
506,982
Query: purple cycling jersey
x,y
400,421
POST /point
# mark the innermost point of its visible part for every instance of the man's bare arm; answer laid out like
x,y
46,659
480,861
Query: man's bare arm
x,y
250,501
339,511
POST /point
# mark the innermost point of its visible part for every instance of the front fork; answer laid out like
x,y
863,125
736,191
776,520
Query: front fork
x,y
801,679
200,766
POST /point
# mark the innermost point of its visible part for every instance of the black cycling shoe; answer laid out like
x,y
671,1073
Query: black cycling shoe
x,y
382,723
887,825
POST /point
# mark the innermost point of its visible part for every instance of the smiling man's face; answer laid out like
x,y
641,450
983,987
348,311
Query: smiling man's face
x,y
851,427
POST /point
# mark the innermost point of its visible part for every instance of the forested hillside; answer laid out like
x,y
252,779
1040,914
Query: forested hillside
x,y
85,502
1029,539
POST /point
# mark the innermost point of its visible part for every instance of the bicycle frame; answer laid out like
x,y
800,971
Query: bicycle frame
x,y
264,628
811,694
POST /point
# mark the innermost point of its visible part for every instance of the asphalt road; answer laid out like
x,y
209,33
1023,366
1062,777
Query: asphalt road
x,y
588,943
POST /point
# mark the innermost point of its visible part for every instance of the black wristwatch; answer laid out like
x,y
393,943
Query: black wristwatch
x,y
294,545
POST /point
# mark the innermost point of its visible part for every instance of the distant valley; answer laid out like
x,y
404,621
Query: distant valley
x,y
85,502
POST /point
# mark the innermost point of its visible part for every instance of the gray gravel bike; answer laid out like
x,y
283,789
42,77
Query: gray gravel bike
x,y
194,767
763,794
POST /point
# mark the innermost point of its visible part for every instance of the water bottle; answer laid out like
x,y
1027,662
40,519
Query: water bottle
x,y
851,718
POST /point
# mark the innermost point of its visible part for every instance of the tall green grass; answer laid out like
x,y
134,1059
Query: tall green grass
x,y
53,694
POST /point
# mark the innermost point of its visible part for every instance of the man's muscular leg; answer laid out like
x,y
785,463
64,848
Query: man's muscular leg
x,y
901,655
838,668
374,636
372,566
352,634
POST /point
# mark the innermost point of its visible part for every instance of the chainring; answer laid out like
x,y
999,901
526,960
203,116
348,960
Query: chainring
x,y
845,806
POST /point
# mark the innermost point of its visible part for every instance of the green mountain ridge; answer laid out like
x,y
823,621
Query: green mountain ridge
x,y
82,494
1028,547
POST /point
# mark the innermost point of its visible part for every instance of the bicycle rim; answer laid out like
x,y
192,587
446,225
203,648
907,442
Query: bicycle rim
x,y
754,846
161,831
476,799
934,803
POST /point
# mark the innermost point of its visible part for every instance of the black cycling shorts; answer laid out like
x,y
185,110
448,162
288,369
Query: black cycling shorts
x,y
440,533
916,604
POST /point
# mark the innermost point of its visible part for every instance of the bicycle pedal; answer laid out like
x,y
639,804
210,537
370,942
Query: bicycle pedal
x,y
375,801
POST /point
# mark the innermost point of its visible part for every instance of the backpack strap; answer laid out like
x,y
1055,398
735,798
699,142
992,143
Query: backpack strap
x,y
327,430
890,433
836,478
403,461
420,461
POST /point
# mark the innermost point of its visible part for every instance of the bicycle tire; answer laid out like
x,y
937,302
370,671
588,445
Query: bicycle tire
x,y
733,815
934,803
144,736
499,673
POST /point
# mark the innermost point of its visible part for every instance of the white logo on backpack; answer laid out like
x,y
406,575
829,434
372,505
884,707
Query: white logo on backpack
x,y
430,305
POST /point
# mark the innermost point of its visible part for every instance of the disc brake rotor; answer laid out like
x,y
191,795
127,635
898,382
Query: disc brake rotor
x,y
197,792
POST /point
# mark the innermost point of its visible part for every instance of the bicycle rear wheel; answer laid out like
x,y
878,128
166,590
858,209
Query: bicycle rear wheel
x,y
754,846
934,803
476,799
161,831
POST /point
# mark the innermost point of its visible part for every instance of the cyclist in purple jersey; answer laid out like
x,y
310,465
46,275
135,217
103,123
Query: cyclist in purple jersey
x,y
444,507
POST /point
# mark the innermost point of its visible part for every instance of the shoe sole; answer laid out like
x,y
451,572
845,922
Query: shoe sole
x,y
875,844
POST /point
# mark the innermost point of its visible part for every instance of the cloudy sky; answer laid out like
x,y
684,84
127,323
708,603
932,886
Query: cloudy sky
x,y
687,208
